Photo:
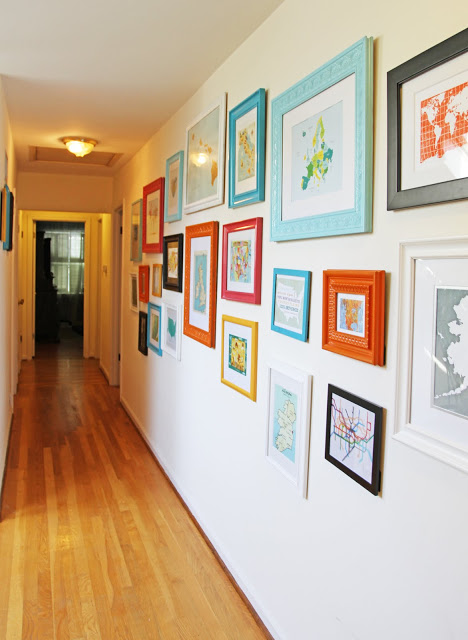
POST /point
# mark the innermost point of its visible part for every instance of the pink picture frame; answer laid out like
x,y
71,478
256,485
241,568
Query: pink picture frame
x,y
241,278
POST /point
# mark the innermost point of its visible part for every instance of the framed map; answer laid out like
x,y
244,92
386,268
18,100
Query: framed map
x,y
135,230
239,355
156,280
427,105
142,332
173,258
432,383
174,187
154,328
241,277
133,291
143,283
153,216
288,427
171,332
291,303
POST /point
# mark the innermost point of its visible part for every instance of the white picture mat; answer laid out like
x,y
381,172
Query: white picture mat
x,y
338,201
177,309
244,121
241,331
351,296
196,318
452,165
296,312
239,236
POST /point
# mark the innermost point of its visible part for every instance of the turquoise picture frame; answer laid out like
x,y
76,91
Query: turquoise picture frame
x,y
149,339
247,121
8,243
136,230
174,174
337,201
291,303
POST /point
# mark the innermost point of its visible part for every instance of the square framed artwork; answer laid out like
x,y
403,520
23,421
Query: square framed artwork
x,y
239,355
142,332
353,314
247,151
135,230
154,328
241,277
427,112
156,280
204,158
432,373
133,290
173,259
322,128
201,264
173,194
153,216
143,283
171,335
291,303
287,446
353,438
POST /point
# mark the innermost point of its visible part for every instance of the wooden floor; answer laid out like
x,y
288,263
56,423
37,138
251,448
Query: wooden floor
x,y
94,543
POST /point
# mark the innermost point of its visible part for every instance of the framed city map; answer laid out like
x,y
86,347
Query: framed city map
x,y
201,265
427,142
288,428
241,277
432,383
239,355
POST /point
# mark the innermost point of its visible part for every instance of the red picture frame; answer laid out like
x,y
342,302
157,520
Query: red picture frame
x,y
143,282
153,205
241,277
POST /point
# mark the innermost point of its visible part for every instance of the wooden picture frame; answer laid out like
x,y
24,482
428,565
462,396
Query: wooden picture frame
x,y
322,144
290,306
142,332
154,328
143,283
156,280
153,216
171,335
241,277
239,346
133,291
201,264
173,190
353,320
354,437
136,216
173,259
247,151
426,152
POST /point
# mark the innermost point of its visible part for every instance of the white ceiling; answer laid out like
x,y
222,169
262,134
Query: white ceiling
x,y
112,70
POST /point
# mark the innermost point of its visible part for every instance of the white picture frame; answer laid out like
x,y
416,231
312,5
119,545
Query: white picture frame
x,y
133,291
427,266
288,422
171,338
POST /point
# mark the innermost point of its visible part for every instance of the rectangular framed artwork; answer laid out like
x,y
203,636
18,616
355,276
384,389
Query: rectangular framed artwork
x,y
174,187
287,447
156,280
427,110
173,258
133,290
247,151
291,303
432,374
153,216
204,158
172,329
239,355
353,314
241,277
321,177
353,438
201,263
143,283
135,230
154,328
142,332
8,240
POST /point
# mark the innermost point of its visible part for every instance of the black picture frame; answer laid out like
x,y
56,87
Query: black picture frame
x,y
398,198
142,332
170,282
352,438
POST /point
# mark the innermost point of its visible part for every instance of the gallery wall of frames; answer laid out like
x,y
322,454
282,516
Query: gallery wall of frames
x,y
295,327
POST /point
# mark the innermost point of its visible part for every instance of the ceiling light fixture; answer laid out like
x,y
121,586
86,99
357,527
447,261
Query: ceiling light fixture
x,y
79,146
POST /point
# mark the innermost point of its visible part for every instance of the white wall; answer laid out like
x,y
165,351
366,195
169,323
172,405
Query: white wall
x,y
343,564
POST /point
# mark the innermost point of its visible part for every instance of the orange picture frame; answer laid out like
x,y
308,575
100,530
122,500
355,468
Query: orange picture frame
x,y
201,268
353,314
143,282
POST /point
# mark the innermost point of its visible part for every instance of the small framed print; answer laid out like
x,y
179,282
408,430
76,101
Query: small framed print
x,y
239,355
135,230
143,283
142,332
134,292
287,447
173,258
247,151
172,329
428,126
291,303
153,216
156,280
173,187
241,278
9,211
353,439
201,263
154,328
353,314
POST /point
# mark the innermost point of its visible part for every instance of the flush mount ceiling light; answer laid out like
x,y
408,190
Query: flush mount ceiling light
x,y
79,146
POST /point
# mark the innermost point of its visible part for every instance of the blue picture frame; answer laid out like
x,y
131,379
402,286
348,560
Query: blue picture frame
x,y
340,202
136,213
253,188
174,173
8,242
157,308
297,306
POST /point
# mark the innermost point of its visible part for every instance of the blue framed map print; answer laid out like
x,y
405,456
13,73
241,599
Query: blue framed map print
x,y
154,328
291,303
136,221
174,187
322,128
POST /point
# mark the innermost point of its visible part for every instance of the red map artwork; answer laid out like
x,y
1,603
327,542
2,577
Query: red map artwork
x,y
444,122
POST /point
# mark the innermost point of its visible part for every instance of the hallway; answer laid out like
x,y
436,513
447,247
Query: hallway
x,y
94,543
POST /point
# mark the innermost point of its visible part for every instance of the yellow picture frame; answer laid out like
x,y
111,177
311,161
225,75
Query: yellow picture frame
x,y
239,350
